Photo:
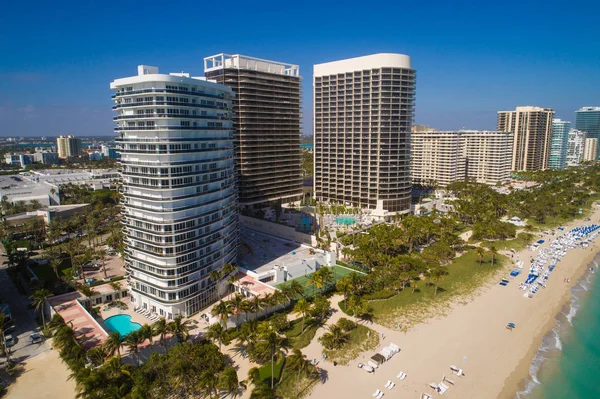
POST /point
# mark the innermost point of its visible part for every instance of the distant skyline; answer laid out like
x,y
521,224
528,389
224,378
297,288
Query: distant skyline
x,y
471,61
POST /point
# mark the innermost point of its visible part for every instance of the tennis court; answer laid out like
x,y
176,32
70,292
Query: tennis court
x,y
309,289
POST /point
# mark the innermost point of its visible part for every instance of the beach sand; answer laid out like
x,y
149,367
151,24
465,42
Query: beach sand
x,y
45,377
473,337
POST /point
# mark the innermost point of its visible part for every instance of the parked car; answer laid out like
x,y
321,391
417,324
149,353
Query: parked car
x,y
36,338
9,340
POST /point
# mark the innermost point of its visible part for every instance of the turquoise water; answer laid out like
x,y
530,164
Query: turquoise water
x,y
345,220
307,146
567,364
122,324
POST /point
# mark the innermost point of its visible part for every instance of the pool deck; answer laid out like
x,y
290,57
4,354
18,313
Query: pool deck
x,y
87,330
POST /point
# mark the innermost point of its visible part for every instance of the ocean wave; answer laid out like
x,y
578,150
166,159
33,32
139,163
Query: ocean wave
x,y
552,343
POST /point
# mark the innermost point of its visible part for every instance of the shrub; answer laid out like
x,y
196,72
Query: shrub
x,y
346,325
380,294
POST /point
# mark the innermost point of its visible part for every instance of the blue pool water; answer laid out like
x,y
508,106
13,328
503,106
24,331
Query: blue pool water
x,y
345,220
122,324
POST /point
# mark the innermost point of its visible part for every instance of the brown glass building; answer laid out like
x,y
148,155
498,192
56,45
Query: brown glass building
x,y
267,125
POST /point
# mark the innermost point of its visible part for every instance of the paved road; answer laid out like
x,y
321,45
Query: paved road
x,y
24,320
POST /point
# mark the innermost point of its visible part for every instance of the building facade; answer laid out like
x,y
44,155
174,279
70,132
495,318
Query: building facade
x,y
587,119
68,146
532,129
46,157
19,160
110,152
487,155
590,149
437,158
558,144
180,204
363,112
446,157
575,147
267,125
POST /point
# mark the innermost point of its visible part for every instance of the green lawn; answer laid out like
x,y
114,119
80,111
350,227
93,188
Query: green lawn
x,y
408,308
265,370
360,339
299,339
46,273
518,243
309,290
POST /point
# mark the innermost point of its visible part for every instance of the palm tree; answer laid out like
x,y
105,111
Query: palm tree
x,y
237,303
343,286
147,333
274,342
494,252
257,305
215,275
480,252
298,362
356,305
39,299
228,382
116,288
113,344
316,279
436,274
161,328
132,341
222,310
97,356
88,292
101,254
208,384
327,275
180,328
217,333
302,308
228,268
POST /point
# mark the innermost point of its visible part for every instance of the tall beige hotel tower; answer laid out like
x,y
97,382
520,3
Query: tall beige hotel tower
x,y
532,131
363,112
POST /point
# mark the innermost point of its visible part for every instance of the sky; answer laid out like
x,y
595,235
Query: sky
x,y
57,59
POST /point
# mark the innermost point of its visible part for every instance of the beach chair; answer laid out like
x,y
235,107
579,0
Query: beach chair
x,y
426,396
391,385
387,384
377,393
449,381
442,388
380,395
401,375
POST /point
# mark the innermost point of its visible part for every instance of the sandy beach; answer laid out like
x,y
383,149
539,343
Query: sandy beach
x,y
473,336
45,377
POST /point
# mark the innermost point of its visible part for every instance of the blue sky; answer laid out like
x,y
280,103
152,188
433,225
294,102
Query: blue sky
x,y
472,59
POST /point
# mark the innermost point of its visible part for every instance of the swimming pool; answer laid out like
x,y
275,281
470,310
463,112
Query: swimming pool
x,y
345,220
122,324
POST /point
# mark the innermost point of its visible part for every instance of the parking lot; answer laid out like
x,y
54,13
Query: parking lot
x,y
24,320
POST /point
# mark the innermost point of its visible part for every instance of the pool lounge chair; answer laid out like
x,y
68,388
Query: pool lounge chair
x,y
426,396
390,385
378,394
401,375
457,371
449,381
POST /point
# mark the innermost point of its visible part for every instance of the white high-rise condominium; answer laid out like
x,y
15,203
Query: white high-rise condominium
x,y
590,149
575,147
180,204
532,130
363,111
441,158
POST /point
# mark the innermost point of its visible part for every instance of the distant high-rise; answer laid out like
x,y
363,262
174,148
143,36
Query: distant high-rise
x,y
68,146
590,149
446,157
267,125
363,111
180,212
422,128
558,144
575,147
587,119
532,128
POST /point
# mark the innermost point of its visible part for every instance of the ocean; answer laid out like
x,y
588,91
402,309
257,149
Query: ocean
x,y
567,363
